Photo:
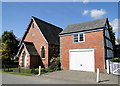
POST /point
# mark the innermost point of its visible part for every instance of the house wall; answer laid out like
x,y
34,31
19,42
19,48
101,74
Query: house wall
x,y
34,35
21,58
92,40
108,44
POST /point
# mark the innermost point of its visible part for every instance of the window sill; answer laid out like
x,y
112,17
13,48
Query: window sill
x,y
79,42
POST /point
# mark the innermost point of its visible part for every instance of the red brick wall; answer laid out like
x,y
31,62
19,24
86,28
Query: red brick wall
x,y
21,58
38,41
92,40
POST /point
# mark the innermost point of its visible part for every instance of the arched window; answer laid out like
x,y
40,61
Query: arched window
x,y
33,25
43,52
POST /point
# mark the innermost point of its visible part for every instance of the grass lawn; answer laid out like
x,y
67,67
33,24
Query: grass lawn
x,y
17,73
26,72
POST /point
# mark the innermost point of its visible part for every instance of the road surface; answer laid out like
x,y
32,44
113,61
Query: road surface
x,y
19,79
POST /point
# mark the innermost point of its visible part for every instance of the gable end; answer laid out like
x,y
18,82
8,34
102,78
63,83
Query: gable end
x,y
40,30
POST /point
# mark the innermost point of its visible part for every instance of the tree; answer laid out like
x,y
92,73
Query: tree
x,y
4,51
9,46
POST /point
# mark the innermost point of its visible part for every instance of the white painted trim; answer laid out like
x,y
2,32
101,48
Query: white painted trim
x,y
43,58
21,47
66,34
25,59
39,30
83,49
77,50
19,50
26,49
79,37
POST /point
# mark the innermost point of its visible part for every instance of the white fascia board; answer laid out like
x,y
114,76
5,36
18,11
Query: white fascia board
x,y
26,49
19,50
82,49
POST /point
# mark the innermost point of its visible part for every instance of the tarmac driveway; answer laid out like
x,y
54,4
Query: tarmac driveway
x,y
83,77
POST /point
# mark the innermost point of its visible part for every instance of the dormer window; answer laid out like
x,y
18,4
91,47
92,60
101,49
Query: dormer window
x,y
79,37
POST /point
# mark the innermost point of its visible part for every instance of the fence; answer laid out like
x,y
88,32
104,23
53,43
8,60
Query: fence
x,y
113,67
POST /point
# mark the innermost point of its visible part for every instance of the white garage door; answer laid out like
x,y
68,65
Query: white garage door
x,y
82,59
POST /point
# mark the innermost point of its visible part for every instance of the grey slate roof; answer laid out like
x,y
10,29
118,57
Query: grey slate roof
x,y
85,26
50,32
31,48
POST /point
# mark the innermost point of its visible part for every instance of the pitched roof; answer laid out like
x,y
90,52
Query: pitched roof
x,y
31,48
95,24
50,32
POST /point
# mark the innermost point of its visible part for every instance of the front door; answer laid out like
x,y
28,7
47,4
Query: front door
x,y
24,59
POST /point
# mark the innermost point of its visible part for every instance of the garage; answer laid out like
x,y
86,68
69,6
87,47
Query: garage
x,y
82,59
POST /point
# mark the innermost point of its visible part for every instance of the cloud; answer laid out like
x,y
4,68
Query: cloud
x,y
97,13
85,1
85,12
114,24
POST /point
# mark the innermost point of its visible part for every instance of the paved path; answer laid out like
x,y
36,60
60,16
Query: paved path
x,y
60,77
83,77
19,79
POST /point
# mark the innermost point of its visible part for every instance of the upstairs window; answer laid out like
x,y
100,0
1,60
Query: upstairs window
x,y
76,38
79,37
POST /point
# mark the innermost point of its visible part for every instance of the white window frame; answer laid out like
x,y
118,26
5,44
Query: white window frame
x,y
74,38
79,37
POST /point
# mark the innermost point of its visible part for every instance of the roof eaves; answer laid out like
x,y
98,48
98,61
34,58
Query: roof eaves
x,y
91,30
26,48
47,22
19,50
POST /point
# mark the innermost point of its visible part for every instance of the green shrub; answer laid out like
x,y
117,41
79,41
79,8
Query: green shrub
x,y
50,70
34,71
43,70
116,59
55,64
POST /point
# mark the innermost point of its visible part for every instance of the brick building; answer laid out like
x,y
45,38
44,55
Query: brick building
x,y
39,44
86,46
